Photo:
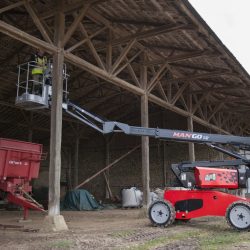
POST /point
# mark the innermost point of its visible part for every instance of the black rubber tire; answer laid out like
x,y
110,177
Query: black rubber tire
x,y
229,209
170,209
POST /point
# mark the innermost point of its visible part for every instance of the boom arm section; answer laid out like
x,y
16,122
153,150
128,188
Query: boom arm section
x,y
28,98
107,127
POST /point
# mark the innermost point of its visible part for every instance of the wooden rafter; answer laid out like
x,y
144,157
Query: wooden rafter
x,y
26,38
76,22
133,75
222,89
12,6
197,107
180,58
123,55
156,77
136,22
69,8
95,15
81,42
164,47
182,112
199,102
179,92
109,52
217,108
203,76
92,47
75,60
159,86
37,22
126,62
162,92
149,33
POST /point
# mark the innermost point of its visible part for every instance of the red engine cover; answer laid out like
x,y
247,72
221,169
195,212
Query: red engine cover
x,y
197,203
216,178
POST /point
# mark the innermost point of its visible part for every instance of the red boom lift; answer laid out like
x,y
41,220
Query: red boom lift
x,y
199,181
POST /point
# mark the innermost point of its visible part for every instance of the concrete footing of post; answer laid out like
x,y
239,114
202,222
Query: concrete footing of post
x,y
54,223
143,212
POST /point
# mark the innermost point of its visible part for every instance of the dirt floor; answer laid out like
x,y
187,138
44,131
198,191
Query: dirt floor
x,y
117,229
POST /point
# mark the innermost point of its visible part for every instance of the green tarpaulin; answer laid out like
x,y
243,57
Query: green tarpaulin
x,y
79,200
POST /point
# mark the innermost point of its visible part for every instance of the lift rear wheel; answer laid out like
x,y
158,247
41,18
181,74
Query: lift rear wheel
x,y
161,213
238,215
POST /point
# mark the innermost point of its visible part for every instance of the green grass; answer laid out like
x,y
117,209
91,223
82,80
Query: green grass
x,y
223,240
163,240
122,234
214,237
152,243
62,244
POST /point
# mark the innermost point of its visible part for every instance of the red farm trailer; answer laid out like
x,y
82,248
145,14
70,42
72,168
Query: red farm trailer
x,y
19,164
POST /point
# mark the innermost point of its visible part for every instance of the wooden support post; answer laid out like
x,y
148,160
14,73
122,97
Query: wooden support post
x,y
191,151
69,173
76,160
56,116
221,156
30,133
108,187
164,155
165,164
54,221
109,52
145,152
107,161
145,139
190,126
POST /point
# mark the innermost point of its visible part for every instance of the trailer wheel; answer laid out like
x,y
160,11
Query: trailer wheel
x,y
161,213
238,215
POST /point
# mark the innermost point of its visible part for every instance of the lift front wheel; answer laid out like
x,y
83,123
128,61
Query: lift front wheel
x,y
161,213
238,215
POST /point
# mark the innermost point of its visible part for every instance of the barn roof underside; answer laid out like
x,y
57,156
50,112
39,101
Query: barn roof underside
x,y
107,44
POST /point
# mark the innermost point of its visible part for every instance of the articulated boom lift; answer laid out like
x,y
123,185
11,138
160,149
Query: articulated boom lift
x,y
199,181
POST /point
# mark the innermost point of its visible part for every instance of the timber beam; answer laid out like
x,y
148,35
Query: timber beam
x,y
136,22
12,6
148,33
204,75
24,37
220,89
103,74
169,106
179,58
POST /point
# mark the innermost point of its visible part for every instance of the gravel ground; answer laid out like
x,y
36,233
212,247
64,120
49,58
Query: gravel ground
x,y
118,229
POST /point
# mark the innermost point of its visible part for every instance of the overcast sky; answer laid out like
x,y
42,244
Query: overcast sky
x,y
230,20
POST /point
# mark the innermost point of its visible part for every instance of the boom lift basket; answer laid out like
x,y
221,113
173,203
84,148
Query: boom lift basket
x,y
35,92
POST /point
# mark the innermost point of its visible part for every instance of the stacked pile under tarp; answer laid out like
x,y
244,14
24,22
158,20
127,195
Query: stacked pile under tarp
x,y
80,200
